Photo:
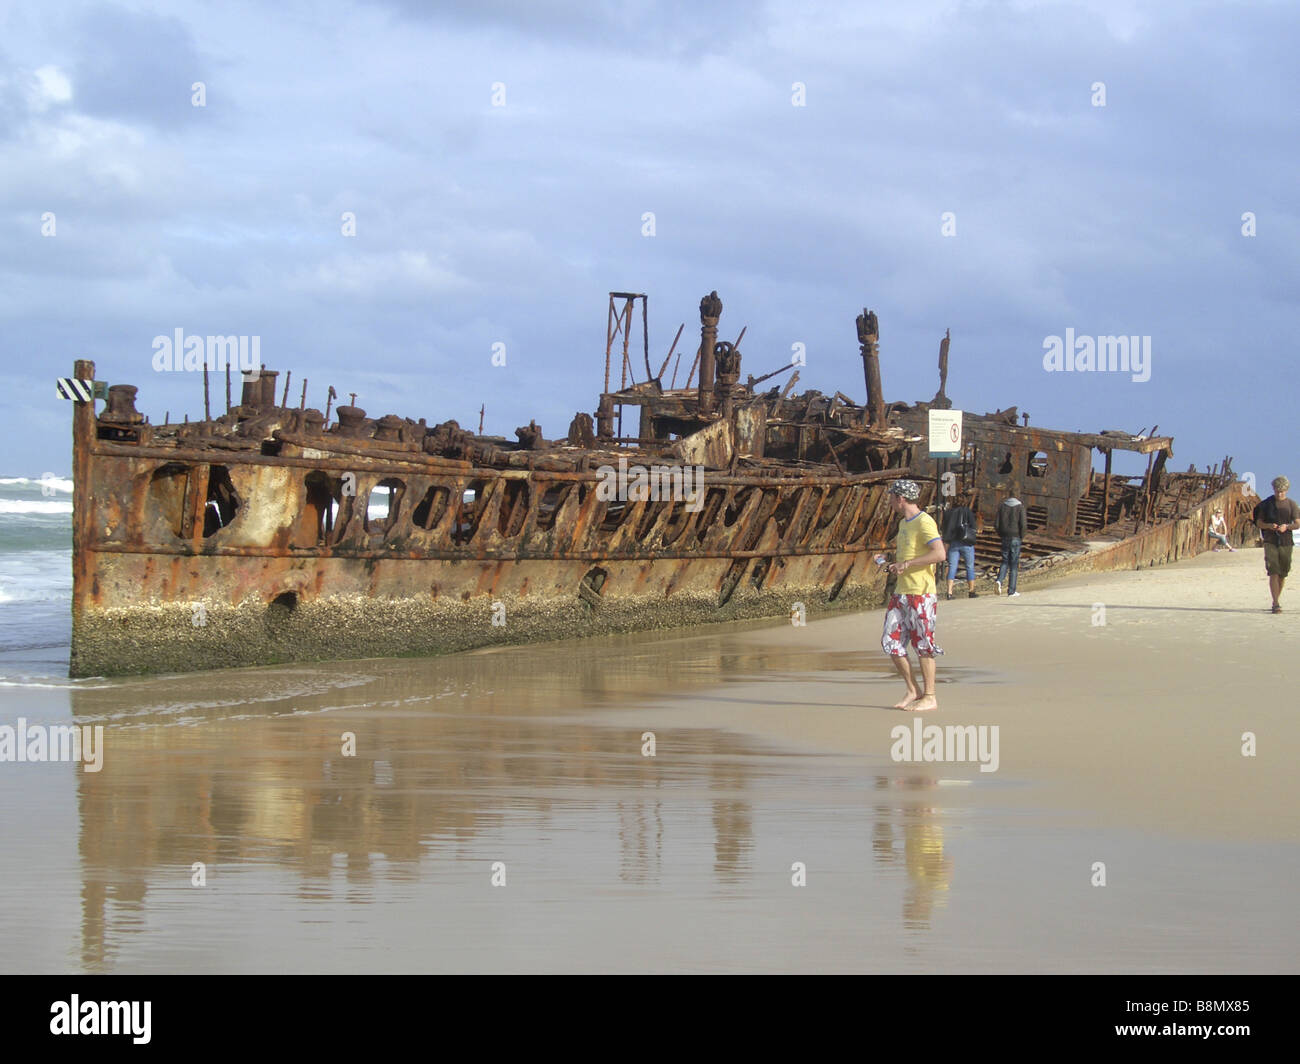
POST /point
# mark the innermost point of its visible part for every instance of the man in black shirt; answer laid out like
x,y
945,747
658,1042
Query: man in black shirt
x,y
1011,524
1276,517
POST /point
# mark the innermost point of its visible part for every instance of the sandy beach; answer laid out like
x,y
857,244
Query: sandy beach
x,y
500,810
1134,714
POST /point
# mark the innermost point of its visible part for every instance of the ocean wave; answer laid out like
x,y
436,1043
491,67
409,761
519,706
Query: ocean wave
x,y
202,709
48,483
55,587
33,576
9,597
35,533
35,506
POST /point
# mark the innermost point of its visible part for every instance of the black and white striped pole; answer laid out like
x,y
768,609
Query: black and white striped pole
x,y
77,389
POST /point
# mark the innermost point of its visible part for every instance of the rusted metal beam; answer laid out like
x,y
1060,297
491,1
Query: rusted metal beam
x,y
759,380
710,312
472,553
670,353
83,530
337,460
868,337
645,335
826,440
786,391
1105,492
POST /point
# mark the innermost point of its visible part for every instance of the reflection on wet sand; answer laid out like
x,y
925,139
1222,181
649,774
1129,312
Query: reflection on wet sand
x,y
640,841
733,824
929,870
250,766
255,767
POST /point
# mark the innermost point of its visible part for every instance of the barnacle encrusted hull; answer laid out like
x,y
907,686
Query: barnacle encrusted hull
x,y
387,609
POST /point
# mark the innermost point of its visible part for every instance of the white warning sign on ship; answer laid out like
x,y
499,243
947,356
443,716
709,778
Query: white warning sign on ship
x,y
945,433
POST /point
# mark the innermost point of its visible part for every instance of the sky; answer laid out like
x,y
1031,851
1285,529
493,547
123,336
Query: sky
x,y
1005,170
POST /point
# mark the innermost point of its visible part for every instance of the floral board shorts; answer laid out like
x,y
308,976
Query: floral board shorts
x,y
909,621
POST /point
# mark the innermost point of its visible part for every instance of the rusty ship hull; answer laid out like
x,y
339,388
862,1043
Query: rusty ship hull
x,y
410,590
255,538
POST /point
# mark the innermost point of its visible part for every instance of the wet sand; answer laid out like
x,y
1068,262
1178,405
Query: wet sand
x,y
1119,743
1138,718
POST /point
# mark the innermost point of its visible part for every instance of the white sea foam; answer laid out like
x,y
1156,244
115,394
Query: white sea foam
x,y
35,576
35,506
189,710
49,483
10,595
38,593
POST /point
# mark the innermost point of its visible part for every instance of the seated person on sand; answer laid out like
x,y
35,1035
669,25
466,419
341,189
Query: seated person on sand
x,y
1219,530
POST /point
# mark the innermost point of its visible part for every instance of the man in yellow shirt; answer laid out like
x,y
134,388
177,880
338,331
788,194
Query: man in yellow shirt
x,y
909,619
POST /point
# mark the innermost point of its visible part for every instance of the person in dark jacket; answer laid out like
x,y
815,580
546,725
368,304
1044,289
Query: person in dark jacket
x,y
1010,524
959,531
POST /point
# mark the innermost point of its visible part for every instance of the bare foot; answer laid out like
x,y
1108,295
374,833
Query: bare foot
x,y
923,704
912,696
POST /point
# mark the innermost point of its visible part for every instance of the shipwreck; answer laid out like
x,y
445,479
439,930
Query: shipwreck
x,y
273,532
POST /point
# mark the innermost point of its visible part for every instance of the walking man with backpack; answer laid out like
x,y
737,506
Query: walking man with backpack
x,y
959,533
1011,525
1277,516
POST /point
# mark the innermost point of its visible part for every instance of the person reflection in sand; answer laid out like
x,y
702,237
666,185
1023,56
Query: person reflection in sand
x,y
929,870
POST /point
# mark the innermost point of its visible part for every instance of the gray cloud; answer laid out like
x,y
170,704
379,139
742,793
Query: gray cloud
x,y
479,224
662,29
136,66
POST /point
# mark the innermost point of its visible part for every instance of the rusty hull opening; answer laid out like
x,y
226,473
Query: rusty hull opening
x,y
223,504
320,509
286,601
552,499
473,503
384,504
591,585
429,510
513,509
280,610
